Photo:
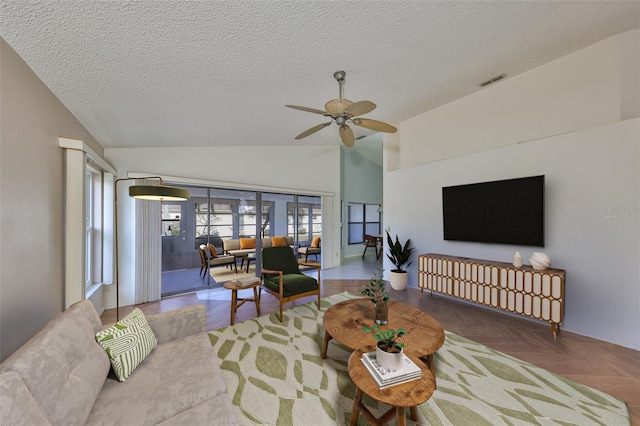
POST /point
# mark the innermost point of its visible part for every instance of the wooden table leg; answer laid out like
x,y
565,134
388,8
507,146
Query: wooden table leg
x,y
234,301
257,299
327,337
356,407
401,419
414,413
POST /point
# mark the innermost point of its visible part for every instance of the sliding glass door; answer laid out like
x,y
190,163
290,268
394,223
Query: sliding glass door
x,y
214,215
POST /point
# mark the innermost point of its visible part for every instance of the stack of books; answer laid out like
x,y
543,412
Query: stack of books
x,y
244,282
386,378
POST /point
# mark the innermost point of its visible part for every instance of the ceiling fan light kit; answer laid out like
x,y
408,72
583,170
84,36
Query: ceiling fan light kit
x,y
343,111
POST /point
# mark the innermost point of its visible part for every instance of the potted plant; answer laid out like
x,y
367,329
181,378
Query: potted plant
x,y
375,290
399,255
388,349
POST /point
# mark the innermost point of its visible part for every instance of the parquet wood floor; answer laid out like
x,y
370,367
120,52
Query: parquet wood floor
x,y
605,366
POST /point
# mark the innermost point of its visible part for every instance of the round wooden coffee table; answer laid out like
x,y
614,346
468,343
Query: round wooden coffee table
x,y
400,397
344,321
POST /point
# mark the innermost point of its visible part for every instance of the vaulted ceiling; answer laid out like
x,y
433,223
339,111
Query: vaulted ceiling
x,y
207,73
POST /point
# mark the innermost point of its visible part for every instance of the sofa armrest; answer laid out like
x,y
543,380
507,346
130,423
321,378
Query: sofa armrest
x,y
171,325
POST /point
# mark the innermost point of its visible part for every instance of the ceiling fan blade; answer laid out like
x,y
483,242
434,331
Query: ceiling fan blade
x,y
312,130
346,134
376,125
307,109
360,108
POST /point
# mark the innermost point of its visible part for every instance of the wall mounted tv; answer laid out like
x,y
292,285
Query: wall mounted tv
x,y
506,212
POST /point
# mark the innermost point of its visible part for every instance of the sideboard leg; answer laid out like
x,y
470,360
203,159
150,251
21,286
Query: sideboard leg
x,y
554,329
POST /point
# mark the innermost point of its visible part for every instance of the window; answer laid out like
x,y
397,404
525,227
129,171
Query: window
x,y
307,218
88,227
89,219
171,214
94,225
362,219
216,217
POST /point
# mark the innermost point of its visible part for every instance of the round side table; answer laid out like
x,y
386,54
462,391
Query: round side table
x,y
234,286
400,397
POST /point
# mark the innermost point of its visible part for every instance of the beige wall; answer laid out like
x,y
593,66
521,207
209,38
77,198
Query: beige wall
x,y
31,200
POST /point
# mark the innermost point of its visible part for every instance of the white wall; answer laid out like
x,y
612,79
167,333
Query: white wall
x,y
297,169
574,92
592,168
587,173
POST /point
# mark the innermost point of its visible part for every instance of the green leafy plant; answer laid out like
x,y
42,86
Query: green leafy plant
x,y
375,289
399,254
387,339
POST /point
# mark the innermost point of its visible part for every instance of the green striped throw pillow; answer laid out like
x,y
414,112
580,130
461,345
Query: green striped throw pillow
x,y
127,343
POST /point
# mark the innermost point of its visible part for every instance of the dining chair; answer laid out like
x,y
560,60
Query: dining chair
x,y
370,241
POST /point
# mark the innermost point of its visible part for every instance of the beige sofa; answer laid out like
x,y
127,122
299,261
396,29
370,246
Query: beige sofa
x,y
233,247
61,376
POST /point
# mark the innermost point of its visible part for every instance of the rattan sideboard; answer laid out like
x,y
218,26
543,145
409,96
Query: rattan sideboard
x,y
535,293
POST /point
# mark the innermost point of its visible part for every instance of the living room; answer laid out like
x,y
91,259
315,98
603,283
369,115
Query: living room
x,y
574,119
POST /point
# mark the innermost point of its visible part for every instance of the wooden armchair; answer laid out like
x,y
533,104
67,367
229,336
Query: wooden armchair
x,y
313,249
282,278
207,260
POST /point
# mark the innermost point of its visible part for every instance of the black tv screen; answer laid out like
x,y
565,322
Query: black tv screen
x,y
505,212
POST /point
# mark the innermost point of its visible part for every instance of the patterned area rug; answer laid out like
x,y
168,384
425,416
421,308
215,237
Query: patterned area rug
x,y
221,274
275,376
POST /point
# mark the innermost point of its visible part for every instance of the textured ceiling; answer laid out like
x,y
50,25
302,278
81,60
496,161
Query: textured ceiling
x,y
177,73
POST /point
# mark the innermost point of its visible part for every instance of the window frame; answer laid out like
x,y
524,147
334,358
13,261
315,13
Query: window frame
x,y
96,250
358,238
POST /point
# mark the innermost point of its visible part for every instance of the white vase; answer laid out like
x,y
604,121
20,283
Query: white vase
x,y
539,261
389,360
517,259
398,280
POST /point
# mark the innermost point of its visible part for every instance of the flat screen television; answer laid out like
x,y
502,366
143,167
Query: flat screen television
x,y
505,212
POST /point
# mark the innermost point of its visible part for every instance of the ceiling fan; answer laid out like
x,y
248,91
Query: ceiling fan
x,y
344,111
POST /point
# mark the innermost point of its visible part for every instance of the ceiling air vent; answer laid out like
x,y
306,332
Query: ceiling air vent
x,y
492,80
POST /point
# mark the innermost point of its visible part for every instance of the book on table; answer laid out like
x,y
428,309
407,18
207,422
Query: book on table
x,y
243,282
384,377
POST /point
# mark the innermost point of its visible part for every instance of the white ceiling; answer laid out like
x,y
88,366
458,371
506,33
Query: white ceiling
x,y
206,73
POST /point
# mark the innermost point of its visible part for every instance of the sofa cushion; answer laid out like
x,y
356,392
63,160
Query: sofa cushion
x,y
179,375
315,243
229,245
238,253
222,260
213,251
17,406
293,284
63,366
278,241
247,243
127,343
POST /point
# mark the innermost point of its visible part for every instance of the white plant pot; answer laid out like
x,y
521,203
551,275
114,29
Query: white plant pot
x,y
388,360
398,280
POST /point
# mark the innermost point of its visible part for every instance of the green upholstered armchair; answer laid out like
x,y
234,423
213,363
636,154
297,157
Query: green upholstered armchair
x,y
282,278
